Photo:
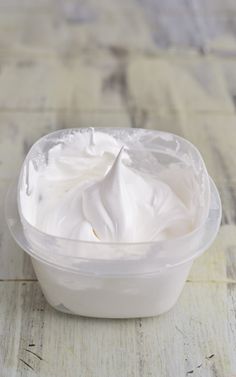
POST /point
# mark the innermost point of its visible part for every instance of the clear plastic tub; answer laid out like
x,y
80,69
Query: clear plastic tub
x,y
116,280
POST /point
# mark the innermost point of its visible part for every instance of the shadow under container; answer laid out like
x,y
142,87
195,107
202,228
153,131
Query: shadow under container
x,y
112,280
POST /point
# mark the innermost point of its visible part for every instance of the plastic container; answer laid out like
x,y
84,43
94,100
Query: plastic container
x,y
116,280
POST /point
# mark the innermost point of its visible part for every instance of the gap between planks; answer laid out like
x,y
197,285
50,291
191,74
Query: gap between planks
x,y
18,280
151,110
227,281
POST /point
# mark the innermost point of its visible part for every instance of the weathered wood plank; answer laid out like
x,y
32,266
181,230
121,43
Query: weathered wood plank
x,y
139,25
88,83
69,26
179,84
118,81
173,344
14,263
215,136
10,327
231,319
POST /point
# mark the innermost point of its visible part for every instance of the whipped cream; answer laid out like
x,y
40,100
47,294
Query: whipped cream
x,y
89,187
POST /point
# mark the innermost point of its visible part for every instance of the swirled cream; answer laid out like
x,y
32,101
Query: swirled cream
x,y
89,188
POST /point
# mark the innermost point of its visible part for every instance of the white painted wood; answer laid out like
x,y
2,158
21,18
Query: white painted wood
x,y
14,263
165,65
173,344
147,24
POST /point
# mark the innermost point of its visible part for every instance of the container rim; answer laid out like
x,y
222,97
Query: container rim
x,y
16,228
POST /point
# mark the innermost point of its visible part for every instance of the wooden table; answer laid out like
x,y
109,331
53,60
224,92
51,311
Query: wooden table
x,y
169,65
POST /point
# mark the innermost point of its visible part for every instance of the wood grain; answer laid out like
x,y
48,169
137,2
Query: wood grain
x,y
147,64
101,348
146,25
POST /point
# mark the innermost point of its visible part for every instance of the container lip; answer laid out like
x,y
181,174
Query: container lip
x,y
105,243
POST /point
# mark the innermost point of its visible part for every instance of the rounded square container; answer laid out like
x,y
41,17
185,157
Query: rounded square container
x,y
115,280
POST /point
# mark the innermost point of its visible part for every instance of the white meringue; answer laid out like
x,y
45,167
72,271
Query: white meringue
x,y
89,190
